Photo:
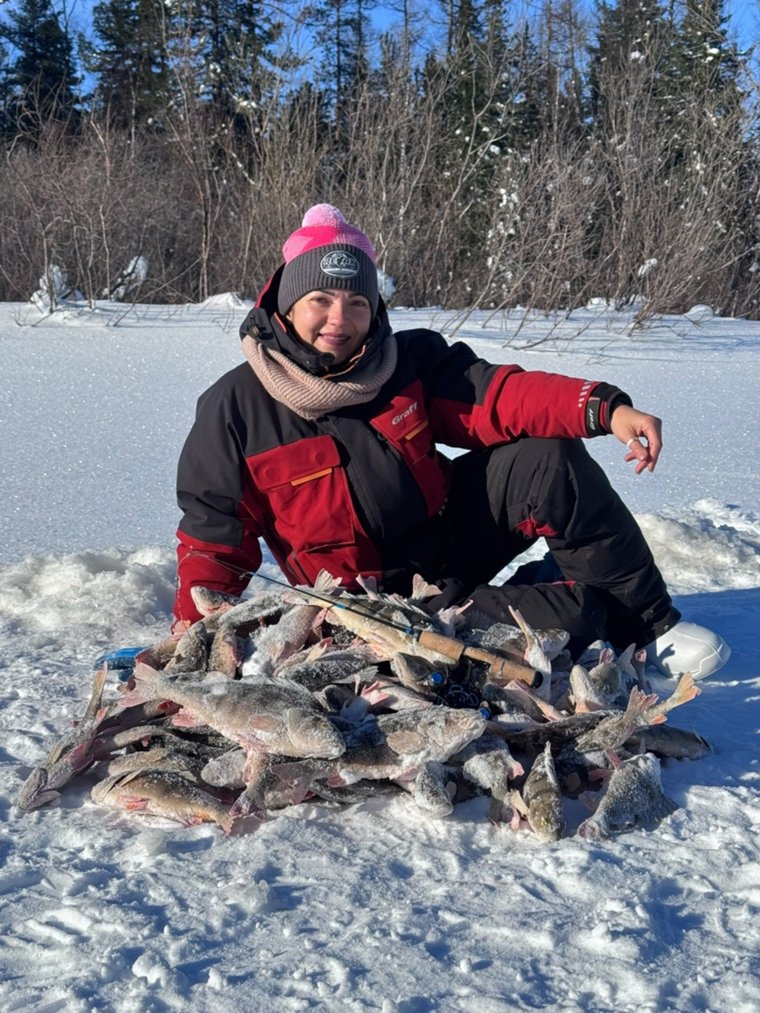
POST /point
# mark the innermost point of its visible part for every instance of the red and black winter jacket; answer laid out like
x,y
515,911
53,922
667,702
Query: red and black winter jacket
x,y
358,491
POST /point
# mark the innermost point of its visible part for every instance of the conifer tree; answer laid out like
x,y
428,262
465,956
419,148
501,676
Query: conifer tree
x,y
561,79
129,61
705,63
41,74
235,51
341,33
632,39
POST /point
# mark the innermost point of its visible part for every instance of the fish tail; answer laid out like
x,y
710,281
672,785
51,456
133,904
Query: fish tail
x,y
640,709
686,689
227,821
326,582
149,682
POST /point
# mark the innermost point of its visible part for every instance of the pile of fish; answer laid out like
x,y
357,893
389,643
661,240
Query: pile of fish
x,y
318,694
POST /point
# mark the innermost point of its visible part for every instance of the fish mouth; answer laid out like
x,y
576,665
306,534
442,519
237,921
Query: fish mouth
x,y
35,792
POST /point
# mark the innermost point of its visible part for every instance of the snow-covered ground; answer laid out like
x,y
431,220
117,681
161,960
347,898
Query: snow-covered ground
x,y
372,907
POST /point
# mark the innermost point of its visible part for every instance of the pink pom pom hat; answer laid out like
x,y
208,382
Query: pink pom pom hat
x,y
327,252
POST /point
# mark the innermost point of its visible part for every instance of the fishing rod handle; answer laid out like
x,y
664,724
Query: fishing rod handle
x,y
501,670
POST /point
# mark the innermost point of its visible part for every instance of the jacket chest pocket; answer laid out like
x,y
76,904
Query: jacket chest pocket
x,y
404,424
307,491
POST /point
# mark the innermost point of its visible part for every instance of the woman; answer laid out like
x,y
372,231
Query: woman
x,y
323,444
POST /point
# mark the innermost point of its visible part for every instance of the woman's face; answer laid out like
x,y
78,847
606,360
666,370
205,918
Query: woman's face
x,y
332,320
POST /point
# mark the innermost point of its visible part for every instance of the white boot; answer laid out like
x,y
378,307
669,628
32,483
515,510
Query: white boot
x,y
688,648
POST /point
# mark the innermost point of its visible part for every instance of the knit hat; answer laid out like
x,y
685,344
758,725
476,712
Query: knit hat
x,y
327,252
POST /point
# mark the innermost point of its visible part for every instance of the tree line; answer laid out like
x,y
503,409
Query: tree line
x,y
496,158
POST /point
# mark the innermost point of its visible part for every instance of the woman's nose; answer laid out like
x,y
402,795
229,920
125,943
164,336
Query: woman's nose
x,y
337,312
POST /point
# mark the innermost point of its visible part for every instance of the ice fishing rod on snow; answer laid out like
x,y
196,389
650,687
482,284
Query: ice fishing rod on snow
x,y
500,667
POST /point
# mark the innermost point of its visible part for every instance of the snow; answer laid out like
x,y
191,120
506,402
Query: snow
x,y
372,907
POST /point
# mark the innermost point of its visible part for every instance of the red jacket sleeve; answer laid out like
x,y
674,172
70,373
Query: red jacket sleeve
x,y
519,403
219,567
474,403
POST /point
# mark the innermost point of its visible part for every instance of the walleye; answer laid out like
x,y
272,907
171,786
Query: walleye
x,y
163,793
277,717
69,756
191,653
643,709
540,801
395,747
226,652
600,687
488,764
276,643
667,740
634,794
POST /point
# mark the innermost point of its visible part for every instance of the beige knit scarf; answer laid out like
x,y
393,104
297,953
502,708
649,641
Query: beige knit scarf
x,y
311,396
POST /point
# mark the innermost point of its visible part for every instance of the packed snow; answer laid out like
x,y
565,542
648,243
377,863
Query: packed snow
x,y
370,907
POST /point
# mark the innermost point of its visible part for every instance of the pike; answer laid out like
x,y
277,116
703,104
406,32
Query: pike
x,y
394,637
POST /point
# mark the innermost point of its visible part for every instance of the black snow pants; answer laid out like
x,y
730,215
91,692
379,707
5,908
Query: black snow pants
x,y
504,498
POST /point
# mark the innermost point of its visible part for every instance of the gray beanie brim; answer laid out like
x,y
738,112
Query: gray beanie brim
x,y
336,266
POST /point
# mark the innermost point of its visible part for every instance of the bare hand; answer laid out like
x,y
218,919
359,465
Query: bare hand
x,y
641,433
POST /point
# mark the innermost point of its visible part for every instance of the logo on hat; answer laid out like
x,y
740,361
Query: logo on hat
x,y
339,264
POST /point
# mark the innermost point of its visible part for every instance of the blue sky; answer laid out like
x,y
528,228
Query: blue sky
x,y
744,16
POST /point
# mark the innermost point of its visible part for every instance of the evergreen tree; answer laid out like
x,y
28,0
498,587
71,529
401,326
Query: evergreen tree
x,y
129,61
715,157
340,31
632,40
705,64
236,51
41,73
528,102
473,94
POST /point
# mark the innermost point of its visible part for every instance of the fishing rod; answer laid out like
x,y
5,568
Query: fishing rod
x,y
500,668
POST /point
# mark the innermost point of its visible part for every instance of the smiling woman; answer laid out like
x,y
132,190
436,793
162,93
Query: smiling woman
x,y
332,321
325,444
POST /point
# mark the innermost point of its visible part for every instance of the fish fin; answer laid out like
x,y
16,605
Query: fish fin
x,y
98,684
134,803
326,582
421,589
515,799
369,586
184,719
147,681
264,723
686,689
